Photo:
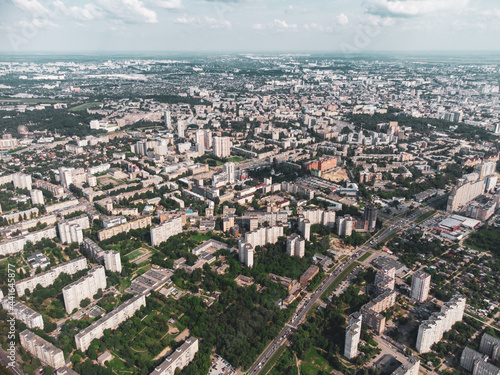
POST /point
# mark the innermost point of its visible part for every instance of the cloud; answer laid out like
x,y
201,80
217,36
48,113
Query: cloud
x,y
258,26
88,12
413,8
215,23
316,27
31,6
283,25
342,19
185,20
168,4
210,22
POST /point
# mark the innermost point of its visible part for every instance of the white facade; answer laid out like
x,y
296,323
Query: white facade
x,y
345,225
162,232
17,244
37,197
295,246
178,359
112,261
21,181
30,317
352,335
420,286
222,147
47,278
83,288
41,349
230,169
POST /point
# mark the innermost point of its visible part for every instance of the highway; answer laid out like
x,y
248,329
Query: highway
x,y
309,301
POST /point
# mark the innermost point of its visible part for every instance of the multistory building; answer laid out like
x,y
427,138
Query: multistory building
x,y
370,216
467,188
372,311
208,138
94,250
56,190
305,228
162,232
325,217
227,223
179,359
112,261
420,286
46,352
295,246
86,287
21,181
246,252
17,244
181,126
200,141
230,169
37,197
30,317
257,237
410,367
490,346
477,363
352,335
47,278
345,225
222,147
385,278
168,119
431,331
139,223
111,320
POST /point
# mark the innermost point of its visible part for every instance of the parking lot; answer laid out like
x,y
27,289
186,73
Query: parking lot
x,y
221,366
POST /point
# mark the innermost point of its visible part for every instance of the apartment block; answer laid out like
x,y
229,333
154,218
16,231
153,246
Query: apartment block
x,y
372,311
305,228
410,367
345,225
140,223
94,250
178,359
56,190
83,288
325,217
47,353
477,363
420,286
111,321
162,232
295,246
257,237
431,331
112,261
30,317
352,335
385,278
17,244
37,197
491,346
222,146
47,278
467,188
246,252
22,181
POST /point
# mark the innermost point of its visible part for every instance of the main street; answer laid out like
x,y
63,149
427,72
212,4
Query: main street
x,y
304,307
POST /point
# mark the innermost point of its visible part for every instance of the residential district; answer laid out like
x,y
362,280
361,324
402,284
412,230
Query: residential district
x,y
247,214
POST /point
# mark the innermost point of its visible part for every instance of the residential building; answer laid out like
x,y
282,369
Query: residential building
x,y
477,363
230,170
111,320
21,181
30,317
139,223
112,261
295,246
86,287
222,147
308,275
420,286
372,311
352,335
466,189
305,228
94,250
370,216
345,225
17,244
431,331
257,237
47,278
71,230
37,197
491,346
410,367
56,190
179,359
162,232
46,352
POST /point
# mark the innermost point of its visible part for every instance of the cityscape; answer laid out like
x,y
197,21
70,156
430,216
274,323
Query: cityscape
x,y
255,209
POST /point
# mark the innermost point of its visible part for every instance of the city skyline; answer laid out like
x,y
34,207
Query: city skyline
x,y
248,25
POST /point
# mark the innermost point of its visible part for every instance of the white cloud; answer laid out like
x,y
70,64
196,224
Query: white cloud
x,y
413,8
168,4
210,22
317,27
283,25
342,19
31,6
88,12
215,23
185,20
128,10
258,26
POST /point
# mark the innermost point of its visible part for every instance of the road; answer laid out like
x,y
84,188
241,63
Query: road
x,y
310,300
4,360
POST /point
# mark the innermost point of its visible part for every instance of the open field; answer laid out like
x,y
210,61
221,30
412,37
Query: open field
x,y
85,106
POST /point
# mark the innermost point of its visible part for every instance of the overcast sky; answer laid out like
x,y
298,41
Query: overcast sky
x,y
249,25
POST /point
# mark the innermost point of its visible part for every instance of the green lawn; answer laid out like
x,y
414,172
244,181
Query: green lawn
x,y
339,279
364,257
134,254
425,216
235,159
313,363
117,364
85,106
272,361
200,237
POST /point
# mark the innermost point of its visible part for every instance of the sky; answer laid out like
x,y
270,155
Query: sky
x,y
249,25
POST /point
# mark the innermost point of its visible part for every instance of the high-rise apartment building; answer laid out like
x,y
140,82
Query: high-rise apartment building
x,y
230,170
222,147
257,237
84,288
352,335
37,197
46,352
112,261
420,286
208,138
71,230
345,225
305,228
139,223
370,216
30,317
168,119
179,359
490,346
94,250
467,188
17,244
410,367
200,141
162,232
181,126
295,246
21,181
431,331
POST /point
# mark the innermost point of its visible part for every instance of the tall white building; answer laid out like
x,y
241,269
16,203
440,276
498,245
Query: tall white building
x,y
352,335
345,225
325,217
30,317
257,237
305,227
46,352
71,230
410,367
431,331
200,141
295,246
22,181
222,147
230,169
162,232
181,126
112,261
490,346
178,359
420,286
208,138
37,197
168,119
83,288
66,176
17,244
246,253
